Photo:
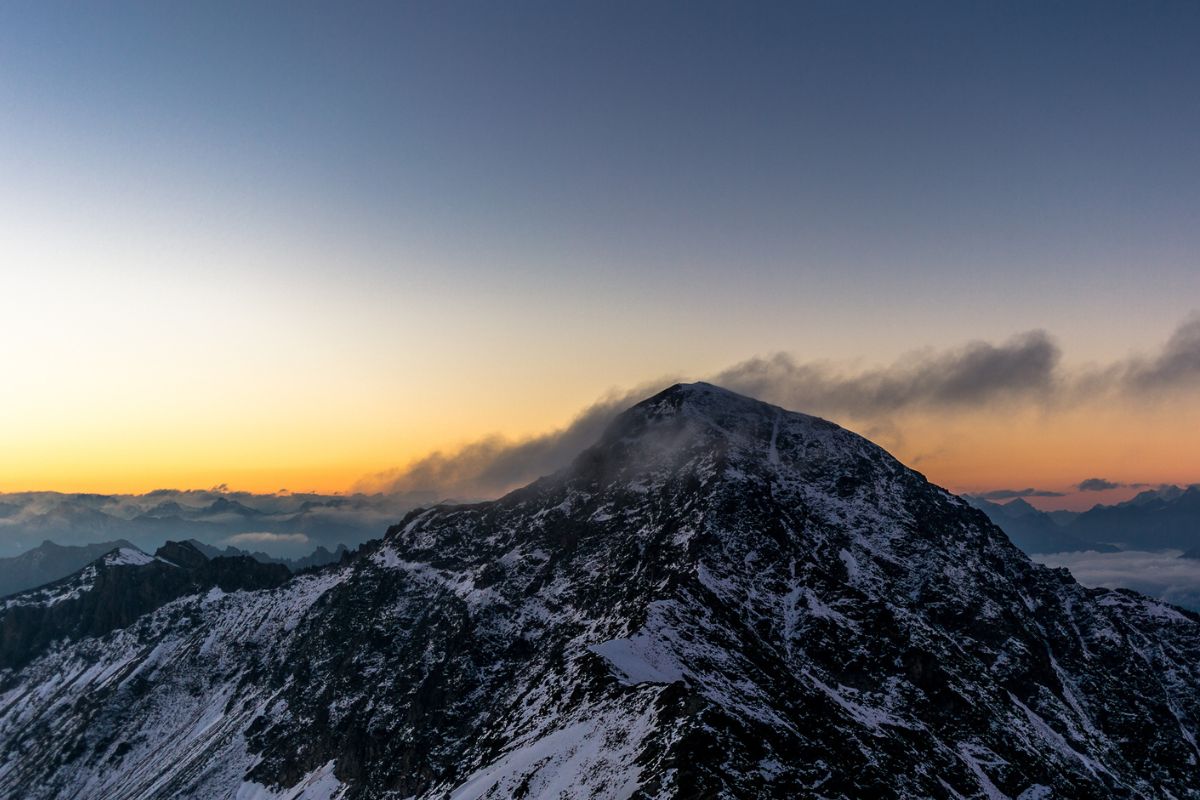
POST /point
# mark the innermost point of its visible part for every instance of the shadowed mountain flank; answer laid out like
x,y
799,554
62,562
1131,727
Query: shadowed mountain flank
x,y
719,598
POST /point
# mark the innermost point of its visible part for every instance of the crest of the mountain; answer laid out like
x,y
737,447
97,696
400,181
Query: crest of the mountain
x,y
719,599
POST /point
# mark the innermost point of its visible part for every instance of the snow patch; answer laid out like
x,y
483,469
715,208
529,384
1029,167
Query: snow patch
x,y
320,784
866,716
1036,792
970,755
593,758
127,557
640,659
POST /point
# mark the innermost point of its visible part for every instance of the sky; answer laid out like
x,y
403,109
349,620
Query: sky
x,y
305,246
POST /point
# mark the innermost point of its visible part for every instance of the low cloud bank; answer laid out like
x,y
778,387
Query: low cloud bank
x,y
1010,494
1103,485
281,524
261,537
1161,574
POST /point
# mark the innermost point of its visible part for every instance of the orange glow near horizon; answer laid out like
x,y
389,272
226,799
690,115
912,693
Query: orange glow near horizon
x,y
983,452
292,252
968,452
263,374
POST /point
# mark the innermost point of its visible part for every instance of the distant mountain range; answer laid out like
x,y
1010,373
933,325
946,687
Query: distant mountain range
x,y
283,525
75,529
1159,519
1032,530
1153,520
318,558
50,562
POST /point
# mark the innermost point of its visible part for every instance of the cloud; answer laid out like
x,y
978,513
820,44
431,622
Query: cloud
x,y
1097,485
494,465
979,376
1177,365
265,537
1103,485
1009,494
1159,574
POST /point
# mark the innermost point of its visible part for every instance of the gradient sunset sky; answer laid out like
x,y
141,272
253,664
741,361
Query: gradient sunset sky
x,y
302,244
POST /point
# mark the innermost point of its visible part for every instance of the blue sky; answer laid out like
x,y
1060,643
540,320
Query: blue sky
x,y
555,199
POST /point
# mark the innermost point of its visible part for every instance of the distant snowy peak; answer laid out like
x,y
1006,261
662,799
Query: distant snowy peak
x,y
126,557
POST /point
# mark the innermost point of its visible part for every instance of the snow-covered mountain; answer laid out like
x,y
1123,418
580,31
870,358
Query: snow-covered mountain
x,y
719,599
116,590
49,562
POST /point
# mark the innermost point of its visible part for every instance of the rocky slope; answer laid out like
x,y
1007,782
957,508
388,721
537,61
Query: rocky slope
x,y
719,599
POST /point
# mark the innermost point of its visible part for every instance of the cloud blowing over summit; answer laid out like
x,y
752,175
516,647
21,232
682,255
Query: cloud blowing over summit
x,y
1024,374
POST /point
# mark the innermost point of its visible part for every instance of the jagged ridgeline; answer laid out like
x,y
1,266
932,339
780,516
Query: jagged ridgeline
x,y
719,599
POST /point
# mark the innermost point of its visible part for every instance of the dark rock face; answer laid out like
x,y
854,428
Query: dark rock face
x,y
719,599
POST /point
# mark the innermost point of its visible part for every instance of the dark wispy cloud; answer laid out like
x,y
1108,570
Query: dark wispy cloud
x,y
972,376
1097,485
1177,365
1010,494
1103,485
980,376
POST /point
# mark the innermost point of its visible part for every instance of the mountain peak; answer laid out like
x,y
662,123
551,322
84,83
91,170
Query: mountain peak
x,y
708,431
1021,507
699,389
181,554
703,399
703,414
126,556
